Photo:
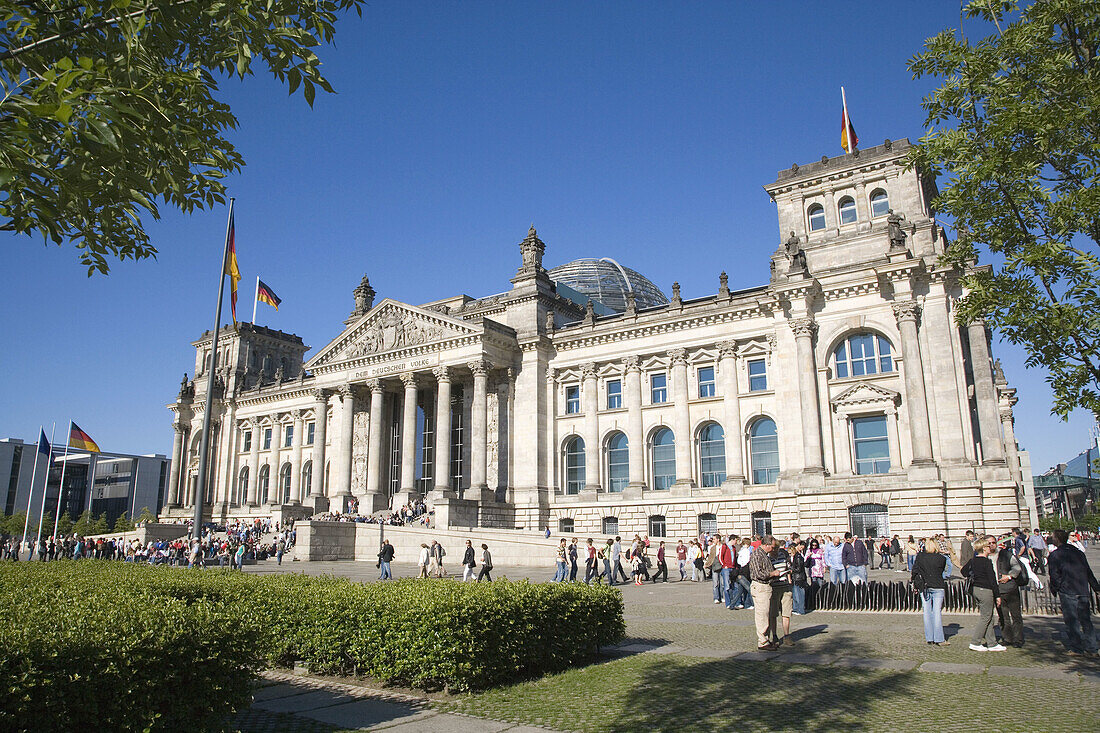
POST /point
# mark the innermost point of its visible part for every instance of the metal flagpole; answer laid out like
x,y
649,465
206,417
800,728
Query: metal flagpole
x,y
133,502
30,494
255,300
204,447
847,125
45,485
61,486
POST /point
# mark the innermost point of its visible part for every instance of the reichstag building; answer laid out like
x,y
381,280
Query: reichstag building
x,y
838,394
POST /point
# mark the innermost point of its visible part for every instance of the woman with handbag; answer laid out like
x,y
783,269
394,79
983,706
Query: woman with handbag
x,y
986,592
927,579
468,563
1011,577
486,564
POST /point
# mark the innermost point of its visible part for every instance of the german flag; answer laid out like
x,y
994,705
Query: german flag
x,y
265,294
848,138
231,264
80,440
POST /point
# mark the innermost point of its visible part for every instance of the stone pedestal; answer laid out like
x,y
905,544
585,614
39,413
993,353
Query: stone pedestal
x,y
450,512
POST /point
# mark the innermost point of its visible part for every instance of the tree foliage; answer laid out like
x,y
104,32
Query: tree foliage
x,y
123,523
146,516
84,523
1014,127
109,110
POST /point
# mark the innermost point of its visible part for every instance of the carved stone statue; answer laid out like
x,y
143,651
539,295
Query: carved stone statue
x,y
279,375
589,313
394,329
631,304
550,321
795,256
897,236
531,250
723,285
364,297
676,301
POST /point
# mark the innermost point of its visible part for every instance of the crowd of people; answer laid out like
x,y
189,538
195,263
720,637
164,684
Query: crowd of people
x,y
774,576
414,514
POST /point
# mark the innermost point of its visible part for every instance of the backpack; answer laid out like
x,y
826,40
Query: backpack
x,y
919,582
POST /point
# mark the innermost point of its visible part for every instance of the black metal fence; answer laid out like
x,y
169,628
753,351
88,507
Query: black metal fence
x,y
899,596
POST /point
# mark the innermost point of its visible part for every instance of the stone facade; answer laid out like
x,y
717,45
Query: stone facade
x,y
840,394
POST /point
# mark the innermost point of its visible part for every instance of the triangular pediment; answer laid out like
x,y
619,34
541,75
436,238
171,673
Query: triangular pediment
x,y
391,326
865,393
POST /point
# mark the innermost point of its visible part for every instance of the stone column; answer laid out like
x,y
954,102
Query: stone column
x,y
341,455
408,434
275,485
731,409
681,420
803,329
893,439
296,489
920,433
228,480
589,387
320,435
442,484
175,467
1008,424
478,426
253,498
985,395
374,445
635,439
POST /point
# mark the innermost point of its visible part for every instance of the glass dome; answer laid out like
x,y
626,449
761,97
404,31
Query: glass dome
x,y
606,281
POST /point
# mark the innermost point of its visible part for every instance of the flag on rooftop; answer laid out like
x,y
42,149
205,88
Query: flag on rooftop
x,y
265,294
43,444
81,440
848,138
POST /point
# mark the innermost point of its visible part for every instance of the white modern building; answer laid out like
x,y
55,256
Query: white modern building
x,y
838,394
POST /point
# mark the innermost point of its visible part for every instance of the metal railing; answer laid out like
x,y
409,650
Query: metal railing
x,y
899,596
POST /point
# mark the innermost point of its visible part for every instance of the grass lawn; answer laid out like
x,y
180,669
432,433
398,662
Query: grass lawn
x,y
651,692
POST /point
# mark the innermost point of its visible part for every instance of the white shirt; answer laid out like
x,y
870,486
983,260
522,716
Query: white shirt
x,y
423,556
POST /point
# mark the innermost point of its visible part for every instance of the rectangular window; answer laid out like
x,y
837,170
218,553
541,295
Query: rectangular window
x,y
456,442
310,429
267,438
758,375
247,442
658,388
706,382
288,436
572,400
871,447
614,394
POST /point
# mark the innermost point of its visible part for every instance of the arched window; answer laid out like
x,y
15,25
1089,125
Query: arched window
x,y
664,459
761,523
265,475
574,465
307,478
880,203
566,525
708,523
242,487
284,483
847,210
816,214
657,527
618,462
712,455
764,451
869,520
610,525
861,354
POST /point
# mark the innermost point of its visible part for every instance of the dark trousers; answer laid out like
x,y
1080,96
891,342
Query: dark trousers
x,y
662,569
572,570
484,573
1040,561
1075,612
617,569
1010,618
590,571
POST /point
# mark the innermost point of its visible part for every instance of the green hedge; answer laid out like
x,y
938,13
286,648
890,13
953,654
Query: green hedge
x,y
124,647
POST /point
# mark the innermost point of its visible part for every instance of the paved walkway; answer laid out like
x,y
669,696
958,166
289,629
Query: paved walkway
x,y
676,618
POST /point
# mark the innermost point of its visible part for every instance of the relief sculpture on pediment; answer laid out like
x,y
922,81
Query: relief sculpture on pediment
x,y
394,330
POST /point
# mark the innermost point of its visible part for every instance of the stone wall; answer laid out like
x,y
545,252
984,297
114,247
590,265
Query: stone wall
x,y
326,540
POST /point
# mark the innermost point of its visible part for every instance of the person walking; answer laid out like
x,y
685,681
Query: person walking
x,y
423,560
604,555
987,593
1010,571
385,557
799,581
695,557
714,562
468,563
561,563
573,561
927,579
591,568
616,561
486,564
662,566
1071,579
1038,547
834,561
681,559
911,550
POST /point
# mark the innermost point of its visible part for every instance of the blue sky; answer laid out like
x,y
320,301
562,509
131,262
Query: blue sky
x,y
639,131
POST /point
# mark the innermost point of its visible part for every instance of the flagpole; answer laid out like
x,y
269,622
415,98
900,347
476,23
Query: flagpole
x,y
847,123
30,494
45,485
204,447
255,300
61,486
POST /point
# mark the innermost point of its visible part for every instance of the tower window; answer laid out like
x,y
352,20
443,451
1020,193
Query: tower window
x,y
847,210
816,215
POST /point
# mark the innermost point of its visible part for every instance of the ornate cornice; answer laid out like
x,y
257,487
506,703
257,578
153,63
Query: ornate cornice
x,y
479,367
442,373
727,348
632,364
409,379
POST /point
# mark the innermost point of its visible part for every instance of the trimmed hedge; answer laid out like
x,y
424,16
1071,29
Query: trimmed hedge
x,y
129,647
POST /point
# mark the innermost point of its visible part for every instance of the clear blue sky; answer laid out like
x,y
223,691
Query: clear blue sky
x,y
639,131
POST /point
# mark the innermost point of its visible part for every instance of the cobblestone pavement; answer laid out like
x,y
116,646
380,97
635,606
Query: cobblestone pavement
x,y
675,633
